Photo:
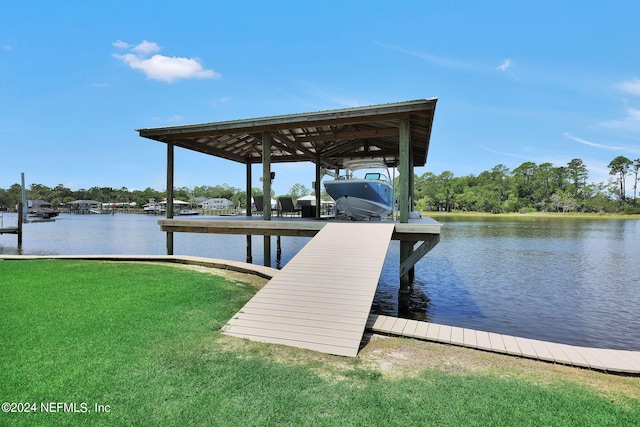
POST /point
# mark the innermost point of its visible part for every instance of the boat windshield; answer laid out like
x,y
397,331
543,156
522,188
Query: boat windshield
x,y
375,176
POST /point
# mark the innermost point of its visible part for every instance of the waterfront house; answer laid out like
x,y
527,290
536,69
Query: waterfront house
x,y
217,203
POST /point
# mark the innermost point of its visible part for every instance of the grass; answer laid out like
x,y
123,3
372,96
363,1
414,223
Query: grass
x,y
144,339
533,215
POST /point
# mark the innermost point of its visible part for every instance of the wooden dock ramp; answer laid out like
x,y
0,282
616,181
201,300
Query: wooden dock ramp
x,y
321,299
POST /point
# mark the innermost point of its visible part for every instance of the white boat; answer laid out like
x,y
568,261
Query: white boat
x,y
369,198
188,212
153,207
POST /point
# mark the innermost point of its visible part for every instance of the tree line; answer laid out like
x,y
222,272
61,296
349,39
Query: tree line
x,y
531,187
60,195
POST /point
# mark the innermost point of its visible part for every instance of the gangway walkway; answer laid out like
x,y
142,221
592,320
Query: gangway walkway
x,y
322,298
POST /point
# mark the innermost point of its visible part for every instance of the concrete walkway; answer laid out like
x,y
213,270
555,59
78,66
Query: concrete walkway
x,y
240,267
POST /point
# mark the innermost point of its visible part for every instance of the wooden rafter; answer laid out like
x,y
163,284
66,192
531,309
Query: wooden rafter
x,y
331,136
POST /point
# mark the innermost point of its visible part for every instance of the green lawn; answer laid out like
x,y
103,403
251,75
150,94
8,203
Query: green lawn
x,y
532,215
144,339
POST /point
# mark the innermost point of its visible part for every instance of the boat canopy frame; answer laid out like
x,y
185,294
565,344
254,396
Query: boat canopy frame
x,y
398,134
328,137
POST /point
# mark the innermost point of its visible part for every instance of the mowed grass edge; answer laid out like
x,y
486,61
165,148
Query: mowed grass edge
x,y
143,341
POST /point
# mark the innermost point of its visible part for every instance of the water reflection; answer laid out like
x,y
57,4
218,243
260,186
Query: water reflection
x,y
574,281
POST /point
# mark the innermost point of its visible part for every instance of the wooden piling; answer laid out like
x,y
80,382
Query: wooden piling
x,y
20,221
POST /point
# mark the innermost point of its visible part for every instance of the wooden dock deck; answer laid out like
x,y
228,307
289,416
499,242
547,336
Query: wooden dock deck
x,y
415,230
8,230
322,298
612,361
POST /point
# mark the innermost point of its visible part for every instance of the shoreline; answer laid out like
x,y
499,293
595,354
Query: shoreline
x,y
621,362
560,215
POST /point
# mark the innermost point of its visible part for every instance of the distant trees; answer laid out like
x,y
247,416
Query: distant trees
x,y
620,166
60,195
10,197
578,175
527,188
297,191
636,178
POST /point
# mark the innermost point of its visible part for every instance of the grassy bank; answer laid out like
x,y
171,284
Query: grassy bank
x,y
533,215
144,341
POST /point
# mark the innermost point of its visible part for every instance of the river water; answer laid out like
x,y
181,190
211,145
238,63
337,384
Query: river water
x,y
573,281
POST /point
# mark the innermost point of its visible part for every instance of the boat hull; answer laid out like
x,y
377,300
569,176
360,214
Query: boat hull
x,y
44,213
362,199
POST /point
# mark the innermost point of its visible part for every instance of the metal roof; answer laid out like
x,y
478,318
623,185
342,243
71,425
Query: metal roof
x,y
370,132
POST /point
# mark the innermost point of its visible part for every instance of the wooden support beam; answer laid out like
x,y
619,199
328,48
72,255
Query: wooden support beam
x,y
404,232
317,188
248,210
266,191
266,175
248,187
278,251
411,179
418,254
20,221
404,170
406,251
169,213
405,205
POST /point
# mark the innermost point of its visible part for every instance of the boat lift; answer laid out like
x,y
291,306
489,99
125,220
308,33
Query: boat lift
x,y
13,229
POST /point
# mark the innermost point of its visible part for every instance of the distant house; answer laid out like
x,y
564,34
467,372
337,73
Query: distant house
x,y
197,201
85,206
217,204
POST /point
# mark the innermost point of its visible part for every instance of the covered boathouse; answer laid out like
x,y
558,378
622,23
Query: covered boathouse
x,y
329,314
398,134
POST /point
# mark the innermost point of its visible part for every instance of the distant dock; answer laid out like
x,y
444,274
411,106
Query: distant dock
x,y
8,230
17,229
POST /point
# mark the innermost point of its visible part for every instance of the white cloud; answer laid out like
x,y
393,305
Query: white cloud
x,y
120,44
434,59
145,48
160,67
631,87
595,144
630,122
8,48
505,64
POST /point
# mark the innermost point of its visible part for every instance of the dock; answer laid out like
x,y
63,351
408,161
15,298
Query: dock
x,y
600,359
17,229
8,230
322,298
415,230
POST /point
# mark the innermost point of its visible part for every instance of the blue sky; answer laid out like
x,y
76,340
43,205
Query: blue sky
x,y
543,81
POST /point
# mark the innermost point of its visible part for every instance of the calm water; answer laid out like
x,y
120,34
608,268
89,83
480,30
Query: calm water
x,y
573,281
